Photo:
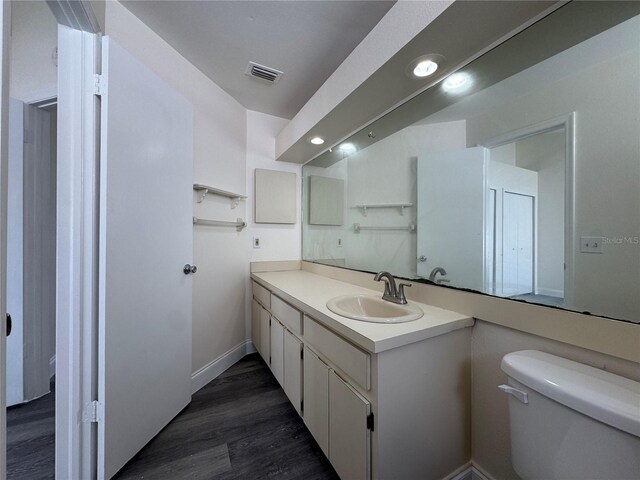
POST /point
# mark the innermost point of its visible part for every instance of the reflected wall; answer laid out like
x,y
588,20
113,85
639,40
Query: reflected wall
x,y
525,187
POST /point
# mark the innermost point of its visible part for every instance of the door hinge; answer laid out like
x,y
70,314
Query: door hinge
x,y
370,421
100,84
302,354
269,321
92,412
301,406
269,359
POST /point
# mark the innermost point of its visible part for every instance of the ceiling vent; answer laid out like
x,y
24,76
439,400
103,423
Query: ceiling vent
x,y
266,74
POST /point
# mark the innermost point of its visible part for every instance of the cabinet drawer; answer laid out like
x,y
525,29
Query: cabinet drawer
x,y
289,316
350,359
261,294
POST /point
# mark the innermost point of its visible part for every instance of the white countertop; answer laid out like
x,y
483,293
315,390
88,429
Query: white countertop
x,y
310,292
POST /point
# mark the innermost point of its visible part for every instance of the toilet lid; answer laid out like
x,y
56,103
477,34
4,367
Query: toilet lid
x,y
601,395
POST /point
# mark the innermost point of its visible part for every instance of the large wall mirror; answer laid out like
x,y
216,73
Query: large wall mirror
x,y
517,176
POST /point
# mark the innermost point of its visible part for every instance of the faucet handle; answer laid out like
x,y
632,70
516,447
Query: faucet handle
x,y
401,296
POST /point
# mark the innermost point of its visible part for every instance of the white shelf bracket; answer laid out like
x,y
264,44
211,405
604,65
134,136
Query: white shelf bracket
x,y
203,195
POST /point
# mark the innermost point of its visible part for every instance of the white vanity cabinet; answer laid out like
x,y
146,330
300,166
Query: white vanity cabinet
x,y
276,357
349,429
316,398
403,412
293,369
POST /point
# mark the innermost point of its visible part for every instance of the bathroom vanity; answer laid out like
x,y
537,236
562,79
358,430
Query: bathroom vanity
x,y
382,400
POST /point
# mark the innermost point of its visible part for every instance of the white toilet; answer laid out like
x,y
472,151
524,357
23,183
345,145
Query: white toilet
x,y
571,421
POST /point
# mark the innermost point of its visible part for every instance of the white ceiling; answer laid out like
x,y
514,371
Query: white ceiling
x,y
307,40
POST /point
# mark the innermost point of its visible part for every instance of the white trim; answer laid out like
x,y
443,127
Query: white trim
x,y
461,473
216,367
5,23
251,348
477,474
76,268
79,15
52,366
550,292
568,122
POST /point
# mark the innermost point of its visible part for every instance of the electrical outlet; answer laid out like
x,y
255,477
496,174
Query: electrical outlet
x,y
256,242
591,244
339,242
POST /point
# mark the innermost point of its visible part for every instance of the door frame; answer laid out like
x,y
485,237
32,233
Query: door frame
x,y
534,239
568,122
76,222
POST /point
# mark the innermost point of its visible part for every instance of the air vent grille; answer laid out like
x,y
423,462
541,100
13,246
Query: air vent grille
x,y
266,74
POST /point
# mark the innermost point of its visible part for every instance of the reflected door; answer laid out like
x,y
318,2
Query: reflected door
x,y
452,198
518,244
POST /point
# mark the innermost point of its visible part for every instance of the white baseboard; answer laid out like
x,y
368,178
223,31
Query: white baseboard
x,y
476,474
550,292
52,366
463,473
251,348
214,368
471,473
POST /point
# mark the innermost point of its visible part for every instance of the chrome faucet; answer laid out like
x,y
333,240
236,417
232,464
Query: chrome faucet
x,y
391,292
435,272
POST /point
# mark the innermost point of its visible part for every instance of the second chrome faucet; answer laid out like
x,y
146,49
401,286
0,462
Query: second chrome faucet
x,y
392,293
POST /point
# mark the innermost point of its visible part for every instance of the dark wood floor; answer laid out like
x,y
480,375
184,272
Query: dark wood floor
x,y
240,426
30,439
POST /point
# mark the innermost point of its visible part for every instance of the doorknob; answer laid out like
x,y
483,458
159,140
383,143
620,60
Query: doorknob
x,y
422,258
9,324
187,269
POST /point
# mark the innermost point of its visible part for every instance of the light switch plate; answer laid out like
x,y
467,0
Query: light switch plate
x,y
256,242
591,244
339,242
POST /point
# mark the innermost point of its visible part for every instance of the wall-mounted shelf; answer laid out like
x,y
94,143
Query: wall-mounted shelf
x,y
411,228
239,224
204,190
399,206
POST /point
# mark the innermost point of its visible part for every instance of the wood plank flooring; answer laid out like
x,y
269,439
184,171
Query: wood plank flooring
x,y
30,439
240,426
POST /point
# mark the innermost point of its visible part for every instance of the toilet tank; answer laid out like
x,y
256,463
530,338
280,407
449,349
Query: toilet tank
x,y
569,420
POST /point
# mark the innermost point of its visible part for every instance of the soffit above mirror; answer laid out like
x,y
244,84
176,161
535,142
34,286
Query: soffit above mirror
x,y
463,31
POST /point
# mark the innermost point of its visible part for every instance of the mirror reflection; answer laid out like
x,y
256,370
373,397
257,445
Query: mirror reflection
x,y
518,176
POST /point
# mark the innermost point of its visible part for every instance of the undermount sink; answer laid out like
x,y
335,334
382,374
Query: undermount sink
x,y
371,308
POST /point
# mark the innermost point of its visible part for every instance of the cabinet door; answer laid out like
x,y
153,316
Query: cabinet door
x,y
293,369
349,437
255,324
316,399
277,350
265,335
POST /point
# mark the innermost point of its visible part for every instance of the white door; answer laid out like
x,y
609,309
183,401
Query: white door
x,y
265,335
518,242
452,197
316,399
255,324
277,351
349,436
144,364
15,266
293,369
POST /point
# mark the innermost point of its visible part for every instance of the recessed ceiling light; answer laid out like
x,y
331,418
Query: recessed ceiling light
x,y
347,147
425,68
424,65
317,140
456,81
